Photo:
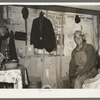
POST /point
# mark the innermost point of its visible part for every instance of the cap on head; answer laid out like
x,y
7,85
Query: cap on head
x,y
78,32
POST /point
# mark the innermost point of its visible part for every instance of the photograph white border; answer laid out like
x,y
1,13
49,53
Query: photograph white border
x,y
50,93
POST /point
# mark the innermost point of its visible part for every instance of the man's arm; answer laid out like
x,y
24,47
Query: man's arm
x,y
72,70
72,65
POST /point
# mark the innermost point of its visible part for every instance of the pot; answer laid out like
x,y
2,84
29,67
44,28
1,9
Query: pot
x,y
10,65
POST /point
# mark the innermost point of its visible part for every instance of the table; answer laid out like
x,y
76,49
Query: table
x,y
14,76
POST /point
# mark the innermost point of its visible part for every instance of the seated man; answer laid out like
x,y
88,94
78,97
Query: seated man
x,y
83,62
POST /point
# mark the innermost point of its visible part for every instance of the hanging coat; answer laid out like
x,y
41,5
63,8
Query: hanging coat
x,y
42,34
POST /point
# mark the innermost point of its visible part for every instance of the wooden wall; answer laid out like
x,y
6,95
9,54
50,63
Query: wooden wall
x,y
52,64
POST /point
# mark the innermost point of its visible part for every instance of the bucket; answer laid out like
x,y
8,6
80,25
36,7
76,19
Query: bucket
x,y
46,87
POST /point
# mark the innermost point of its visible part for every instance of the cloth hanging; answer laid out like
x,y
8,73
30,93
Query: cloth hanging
x,y
12,48
4,34
42,34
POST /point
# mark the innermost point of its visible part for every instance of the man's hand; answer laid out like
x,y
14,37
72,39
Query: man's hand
x,y
80,71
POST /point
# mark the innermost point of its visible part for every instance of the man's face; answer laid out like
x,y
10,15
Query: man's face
x,y
78,38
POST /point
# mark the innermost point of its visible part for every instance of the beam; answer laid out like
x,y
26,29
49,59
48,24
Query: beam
x,y
66,9
62,9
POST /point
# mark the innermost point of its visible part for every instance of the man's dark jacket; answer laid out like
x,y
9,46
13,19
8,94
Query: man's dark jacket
x,y
47,34
91,60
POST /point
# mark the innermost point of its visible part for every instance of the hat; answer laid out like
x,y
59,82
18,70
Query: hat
x,y
77,19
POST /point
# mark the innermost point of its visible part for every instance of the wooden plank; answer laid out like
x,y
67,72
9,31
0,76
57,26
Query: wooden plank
x,y
98,26
65,9
61,49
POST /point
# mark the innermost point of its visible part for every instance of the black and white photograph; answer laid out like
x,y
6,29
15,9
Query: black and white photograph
x,y
52,46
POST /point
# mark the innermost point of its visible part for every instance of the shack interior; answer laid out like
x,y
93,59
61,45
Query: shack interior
x,y
50,68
